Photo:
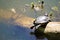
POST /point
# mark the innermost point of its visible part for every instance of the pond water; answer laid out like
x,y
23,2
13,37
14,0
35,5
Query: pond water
x,y
19,6
15,32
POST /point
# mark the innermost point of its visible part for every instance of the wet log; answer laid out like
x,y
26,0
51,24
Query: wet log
x,y
52,27
52,31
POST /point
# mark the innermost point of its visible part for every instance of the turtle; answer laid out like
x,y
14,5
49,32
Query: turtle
x,y
41,20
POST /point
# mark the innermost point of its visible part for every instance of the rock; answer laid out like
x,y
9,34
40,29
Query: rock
x,y
53,27
25,21
10,17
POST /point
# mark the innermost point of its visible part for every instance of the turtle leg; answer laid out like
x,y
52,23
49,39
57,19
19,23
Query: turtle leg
x,y
34,26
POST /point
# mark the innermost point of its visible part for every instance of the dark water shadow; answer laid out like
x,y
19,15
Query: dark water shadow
x,y
39,33
14,32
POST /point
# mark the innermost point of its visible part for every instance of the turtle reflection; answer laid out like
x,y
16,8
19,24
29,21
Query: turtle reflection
x,y
39,33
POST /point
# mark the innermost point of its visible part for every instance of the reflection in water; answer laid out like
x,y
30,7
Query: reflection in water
x,y
39,33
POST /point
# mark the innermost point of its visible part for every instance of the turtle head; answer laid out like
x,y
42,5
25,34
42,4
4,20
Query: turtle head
x,y
46,14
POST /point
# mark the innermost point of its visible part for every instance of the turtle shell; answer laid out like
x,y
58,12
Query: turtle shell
x,y
42,19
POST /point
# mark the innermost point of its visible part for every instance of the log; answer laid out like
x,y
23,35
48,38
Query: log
x,y
52,31
53,27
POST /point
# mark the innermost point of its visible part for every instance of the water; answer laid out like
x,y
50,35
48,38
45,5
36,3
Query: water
x,y
15,32
19,6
